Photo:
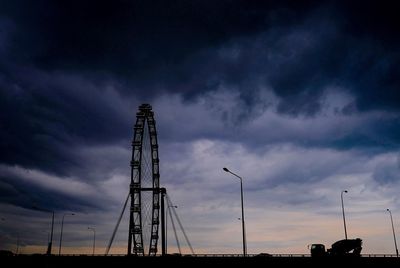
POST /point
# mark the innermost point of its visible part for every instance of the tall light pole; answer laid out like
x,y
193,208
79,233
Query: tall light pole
x,y
52,228
344,218
62,225
241,195
394,235
94,238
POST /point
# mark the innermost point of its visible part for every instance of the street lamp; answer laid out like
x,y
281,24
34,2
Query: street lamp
x,y
394,235
241,195
62,225
94,237
52,227
344,219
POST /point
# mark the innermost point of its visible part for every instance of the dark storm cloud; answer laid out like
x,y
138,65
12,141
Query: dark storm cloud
x,y
67,67
27,195
156,45
113,35
58,58
357,49
60,124
134,40
44,117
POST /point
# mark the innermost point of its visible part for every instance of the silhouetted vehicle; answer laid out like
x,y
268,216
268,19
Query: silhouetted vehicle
x,y
345,247
263,254
317,250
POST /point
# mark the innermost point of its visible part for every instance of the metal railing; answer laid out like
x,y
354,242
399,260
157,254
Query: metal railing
x,y
222,255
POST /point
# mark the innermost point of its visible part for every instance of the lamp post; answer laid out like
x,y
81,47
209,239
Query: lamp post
x,y
241,198
52,228
344,218
94,238
394,235
61,235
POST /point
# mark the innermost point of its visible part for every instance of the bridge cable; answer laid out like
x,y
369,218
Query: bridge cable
x,y
180,224
117,225
173,226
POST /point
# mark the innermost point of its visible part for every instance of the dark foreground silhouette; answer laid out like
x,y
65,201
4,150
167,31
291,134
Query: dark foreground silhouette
x,y
191,261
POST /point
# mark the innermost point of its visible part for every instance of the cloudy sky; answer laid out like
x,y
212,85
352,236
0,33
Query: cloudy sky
x,y
300,99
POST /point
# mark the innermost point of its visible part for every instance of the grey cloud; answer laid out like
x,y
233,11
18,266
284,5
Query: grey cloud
x,y
387,171
221,116
46,116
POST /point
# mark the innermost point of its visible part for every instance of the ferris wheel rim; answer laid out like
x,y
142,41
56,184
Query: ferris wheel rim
x,y
145,116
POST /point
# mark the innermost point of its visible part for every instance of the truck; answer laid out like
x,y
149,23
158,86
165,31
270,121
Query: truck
x,y
345,247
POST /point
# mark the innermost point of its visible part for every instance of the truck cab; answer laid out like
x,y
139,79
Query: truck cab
x,y
317,250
